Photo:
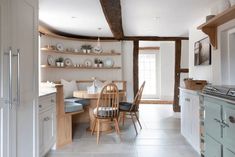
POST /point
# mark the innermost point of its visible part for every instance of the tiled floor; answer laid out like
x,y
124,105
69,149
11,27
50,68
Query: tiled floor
x,y
160,137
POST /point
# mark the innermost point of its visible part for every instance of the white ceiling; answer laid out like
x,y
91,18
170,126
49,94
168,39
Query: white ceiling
x,y
80,17
139,17
162,17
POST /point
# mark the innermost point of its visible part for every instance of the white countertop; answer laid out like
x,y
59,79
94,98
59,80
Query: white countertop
x,y
46,89
190,91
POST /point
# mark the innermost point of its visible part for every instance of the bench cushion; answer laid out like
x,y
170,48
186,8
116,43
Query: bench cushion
x,y
84,102
75,104
72,107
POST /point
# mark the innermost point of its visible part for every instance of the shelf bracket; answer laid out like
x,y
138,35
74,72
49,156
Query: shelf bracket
x,y
212,33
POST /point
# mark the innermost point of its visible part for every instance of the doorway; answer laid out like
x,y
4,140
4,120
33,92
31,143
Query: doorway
x,y
156,67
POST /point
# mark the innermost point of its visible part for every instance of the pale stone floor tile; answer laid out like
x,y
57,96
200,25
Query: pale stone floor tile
x,y
160,137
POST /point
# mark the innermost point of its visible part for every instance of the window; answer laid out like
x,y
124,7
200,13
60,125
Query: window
x,y
148,73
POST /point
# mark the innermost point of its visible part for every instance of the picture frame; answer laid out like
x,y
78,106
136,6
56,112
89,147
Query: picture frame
x,y
202,52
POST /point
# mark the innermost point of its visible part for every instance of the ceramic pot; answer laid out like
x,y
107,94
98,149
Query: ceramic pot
x,y
96,65
84,50
58,64
100,65
61,64
88,51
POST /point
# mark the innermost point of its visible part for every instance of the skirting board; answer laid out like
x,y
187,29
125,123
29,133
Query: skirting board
x,y
156,101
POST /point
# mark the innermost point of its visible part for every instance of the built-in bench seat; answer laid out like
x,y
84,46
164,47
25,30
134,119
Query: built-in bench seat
x,y
67,107
75,104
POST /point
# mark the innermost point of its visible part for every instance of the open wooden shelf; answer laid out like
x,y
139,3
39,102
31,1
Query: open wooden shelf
x,y
85,68
210,27
80,53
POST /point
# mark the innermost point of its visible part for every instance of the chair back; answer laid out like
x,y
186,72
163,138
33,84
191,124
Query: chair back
x,y
108,102
135,104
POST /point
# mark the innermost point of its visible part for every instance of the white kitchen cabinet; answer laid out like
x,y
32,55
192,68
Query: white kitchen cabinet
x,y
18,78
47,123
190,123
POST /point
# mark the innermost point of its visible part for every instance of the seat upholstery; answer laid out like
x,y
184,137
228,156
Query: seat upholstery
x,y
75,104
125,106
72,107
105,112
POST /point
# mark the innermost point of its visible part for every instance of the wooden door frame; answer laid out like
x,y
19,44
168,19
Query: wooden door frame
x,y
178,70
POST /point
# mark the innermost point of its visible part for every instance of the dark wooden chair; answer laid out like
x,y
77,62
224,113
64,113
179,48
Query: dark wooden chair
x,y
107,108
132,108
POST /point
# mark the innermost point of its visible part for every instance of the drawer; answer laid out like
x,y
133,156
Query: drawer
x,y
46,102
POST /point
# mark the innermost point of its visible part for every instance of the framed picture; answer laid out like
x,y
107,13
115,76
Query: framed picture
x,y
202,52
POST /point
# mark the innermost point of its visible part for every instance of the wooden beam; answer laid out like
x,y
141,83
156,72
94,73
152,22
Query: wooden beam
x,y
154,38
178,45
150,48
135,67
184,71
44,29
113,15
49,31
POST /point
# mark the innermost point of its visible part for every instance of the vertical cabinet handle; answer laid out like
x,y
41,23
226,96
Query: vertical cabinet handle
x,y
18,77
10,77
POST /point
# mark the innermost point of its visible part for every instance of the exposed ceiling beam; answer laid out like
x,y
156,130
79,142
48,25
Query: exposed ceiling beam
x,y
113,15
154,38
47,30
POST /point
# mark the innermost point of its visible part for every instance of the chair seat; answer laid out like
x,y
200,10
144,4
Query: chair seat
x,y
72,107
84,102
105,112
125,106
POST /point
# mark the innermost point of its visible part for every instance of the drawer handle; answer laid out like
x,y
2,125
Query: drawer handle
x,y
46,118
231,119
40,106
187,99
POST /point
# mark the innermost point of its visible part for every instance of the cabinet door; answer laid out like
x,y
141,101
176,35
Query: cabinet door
x,y
25,39
212,118
229,130
212,148
195,122
183,107
228,153
41,135
48,126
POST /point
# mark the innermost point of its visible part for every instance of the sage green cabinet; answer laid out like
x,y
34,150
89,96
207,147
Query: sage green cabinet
x,y
212,116
213,148
228,153
229,129
219,128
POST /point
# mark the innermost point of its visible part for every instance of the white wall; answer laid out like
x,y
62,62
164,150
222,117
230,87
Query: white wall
x,y
203,72
167,53
213,72
127,60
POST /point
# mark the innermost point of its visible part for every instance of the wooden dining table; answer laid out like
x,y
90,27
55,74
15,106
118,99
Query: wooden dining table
x,y
105,126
